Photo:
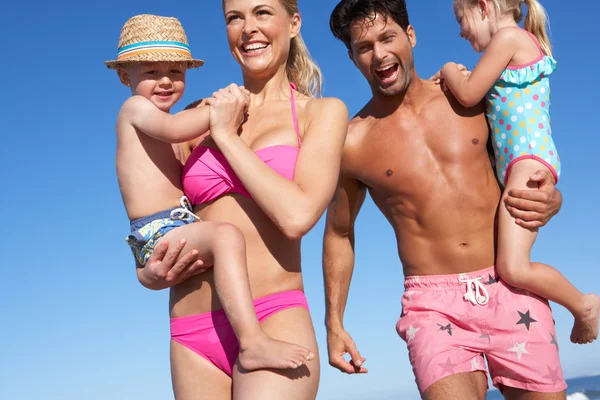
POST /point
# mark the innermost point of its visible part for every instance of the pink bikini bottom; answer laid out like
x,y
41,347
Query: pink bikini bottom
x,y
211,336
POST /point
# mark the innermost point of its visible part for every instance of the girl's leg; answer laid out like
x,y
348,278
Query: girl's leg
x,y
292,324
224,246
195,377
516,269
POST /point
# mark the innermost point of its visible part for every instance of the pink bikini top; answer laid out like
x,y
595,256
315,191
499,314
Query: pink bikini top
x,y
207,175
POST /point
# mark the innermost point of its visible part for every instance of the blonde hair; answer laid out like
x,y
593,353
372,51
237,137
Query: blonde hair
x,y
301,69
536,19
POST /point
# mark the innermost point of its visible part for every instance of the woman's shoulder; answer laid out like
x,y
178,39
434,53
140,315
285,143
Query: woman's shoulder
x,y
328,114
325,106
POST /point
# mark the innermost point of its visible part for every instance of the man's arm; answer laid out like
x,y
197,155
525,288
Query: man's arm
x,y
338,265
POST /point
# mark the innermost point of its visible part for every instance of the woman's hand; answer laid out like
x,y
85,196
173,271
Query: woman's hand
x,y
227,111
165,267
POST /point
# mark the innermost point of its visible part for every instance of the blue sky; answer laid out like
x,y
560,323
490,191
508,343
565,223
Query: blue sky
x,y
76,324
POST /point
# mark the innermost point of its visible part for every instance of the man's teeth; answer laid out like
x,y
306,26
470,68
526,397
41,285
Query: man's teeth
x,y
385,68
254,46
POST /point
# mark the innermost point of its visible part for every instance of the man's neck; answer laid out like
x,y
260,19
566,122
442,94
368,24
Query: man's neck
x,y
412,98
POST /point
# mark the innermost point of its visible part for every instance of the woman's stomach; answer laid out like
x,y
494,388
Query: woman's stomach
x,y
273,261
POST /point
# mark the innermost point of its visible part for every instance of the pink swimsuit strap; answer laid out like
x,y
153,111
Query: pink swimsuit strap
x,y
536,41
294,116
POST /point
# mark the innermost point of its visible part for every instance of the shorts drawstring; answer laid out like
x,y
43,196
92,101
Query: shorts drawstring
x,y
185,211
476,292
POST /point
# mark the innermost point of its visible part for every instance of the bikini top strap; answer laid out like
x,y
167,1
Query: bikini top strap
x,y
295,118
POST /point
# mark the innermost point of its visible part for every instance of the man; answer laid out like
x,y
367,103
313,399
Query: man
x,y
424,160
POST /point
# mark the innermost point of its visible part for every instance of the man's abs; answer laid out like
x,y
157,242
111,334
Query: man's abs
x,y
433,180
443,236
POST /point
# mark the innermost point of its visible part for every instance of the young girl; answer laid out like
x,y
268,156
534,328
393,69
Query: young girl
x,y
512,76
153,59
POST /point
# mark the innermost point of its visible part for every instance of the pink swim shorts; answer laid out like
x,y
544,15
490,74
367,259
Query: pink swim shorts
x,y
450,322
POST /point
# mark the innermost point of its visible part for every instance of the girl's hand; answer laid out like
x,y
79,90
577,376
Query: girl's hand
x,y
227,110
463,70
437,77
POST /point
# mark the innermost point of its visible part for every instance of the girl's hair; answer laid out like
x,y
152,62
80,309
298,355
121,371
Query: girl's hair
x,y
535,20
301,69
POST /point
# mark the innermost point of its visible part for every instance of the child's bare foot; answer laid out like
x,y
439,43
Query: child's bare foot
x,y
265,352
585,329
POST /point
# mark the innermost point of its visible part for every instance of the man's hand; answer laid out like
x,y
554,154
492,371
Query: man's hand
x,y
340,343
164,269
533,208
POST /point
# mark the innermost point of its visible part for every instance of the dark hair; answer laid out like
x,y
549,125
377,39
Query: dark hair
x,y
348,12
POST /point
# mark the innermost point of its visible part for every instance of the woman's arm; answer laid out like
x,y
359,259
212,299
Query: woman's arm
x,y
470,90
294,206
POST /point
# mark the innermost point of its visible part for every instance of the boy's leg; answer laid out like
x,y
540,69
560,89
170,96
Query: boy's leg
x,y
223,246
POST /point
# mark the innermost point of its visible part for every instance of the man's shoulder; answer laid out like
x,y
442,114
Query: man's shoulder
x,y
442,105
358,128
361,122
436,97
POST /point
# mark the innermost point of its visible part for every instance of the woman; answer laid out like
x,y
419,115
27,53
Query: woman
x,y
271,174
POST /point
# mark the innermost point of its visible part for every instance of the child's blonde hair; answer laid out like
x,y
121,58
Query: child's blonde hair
x,y
535,20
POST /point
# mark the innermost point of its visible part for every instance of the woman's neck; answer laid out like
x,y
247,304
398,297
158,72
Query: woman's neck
x,y
271,88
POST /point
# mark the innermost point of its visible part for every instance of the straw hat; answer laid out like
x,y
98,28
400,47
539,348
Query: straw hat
x,y
151,38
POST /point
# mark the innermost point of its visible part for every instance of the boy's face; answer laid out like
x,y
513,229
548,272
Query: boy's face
x,y
162,83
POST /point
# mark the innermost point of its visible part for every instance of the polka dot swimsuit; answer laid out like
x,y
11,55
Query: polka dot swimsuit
x,y
518,113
